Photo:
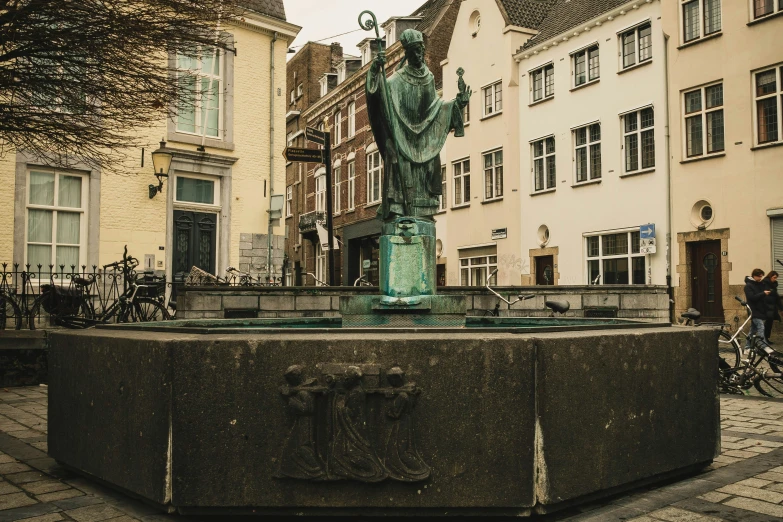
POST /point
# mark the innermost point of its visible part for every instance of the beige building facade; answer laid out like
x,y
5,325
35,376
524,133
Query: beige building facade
x,y
725,98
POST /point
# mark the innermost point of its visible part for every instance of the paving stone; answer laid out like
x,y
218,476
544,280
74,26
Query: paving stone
x,y
758,449
44,486
7,487
759,494
4,459
15,500
52,517
725,438
740,454
754,482
13,467
672,514
27,476
59,495
726,460
775,487
94,513
756,505
714,496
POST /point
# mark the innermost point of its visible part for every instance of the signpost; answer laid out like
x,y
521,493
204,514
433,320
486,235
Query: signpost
x,y
323,156
647,246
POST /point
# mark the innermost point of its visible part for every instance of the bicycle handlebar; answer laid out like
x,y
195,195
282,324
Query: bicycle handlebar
x,y
743,303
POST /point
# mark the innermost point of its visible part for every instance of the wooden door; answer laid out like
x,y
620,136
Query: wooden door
x,y
706,290
545,270
195,244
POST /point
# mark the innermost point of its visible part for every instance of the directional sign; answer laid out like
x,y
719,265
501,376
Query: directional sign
x,y
315,135
304,155
647,231
647,246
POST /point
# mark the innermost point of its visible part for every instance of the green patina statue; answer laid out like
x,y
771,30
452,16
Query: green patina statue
x,y
411,123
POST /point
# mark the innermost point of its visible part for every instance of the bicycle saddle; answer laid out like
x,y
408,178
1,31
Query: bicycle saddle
x,y
560,307
691,313
80,281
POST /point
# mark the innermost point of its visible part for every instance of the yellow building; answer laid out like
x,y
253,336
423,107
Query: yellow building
x,y
212,211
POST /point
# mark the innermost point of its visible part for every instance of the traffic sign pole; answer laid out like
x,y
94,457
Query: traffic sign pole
x,y
327,152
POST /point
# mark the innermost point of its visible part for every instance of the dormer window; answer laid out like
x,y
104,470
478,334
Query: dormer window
x,y
390,33
341,73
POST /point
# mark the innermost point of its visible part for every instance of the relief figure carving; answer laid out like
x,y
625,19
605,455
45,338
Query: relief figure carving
x,y
402,459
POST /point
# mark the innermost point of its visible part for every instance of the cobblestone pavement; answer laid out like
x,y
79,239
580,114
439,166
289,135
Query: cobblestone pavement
x,y
745,483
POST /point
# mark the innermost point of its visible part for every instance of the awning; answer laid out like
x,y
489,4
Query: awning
x,y
323,237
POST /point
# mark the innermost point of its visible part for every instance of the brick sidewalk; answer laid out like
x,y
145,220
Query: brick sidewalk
x,y
744,483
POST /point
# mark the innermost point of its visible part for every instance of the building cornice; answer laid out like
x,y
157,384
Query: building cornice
x,y
268,25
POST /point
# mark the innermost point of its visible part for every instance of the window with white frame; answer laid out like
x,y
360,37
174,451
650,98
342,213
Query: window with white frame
x,y
338,118
586,65
616,258
293,96
56,220
587,152
762,8
338,184
544,173
300,89
704,120
320,191
461,171
351,119
493,98
769,99
320,264
700,18
443,193
473,271
466,113
636,45
351,185
374,176
543,82
289,201
199,190
201,76
639,139
493,174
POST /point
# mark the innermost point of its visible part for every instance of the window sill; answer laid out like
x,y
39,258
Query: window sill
x,y
192,139
491,115
588,182
552,97
637,172
700,40
337,214
350,211
546,191
370,205
441,211
765,18
768,145
591,82
493,200
634,67
702,158
464,205
351,138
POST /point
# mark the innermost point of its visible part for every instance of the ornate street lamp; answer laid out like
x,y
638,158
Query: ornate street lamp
x,y
161,162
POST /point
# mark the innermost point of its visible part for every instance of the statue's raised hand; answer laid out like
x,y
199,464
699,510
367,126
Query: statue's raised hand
x,y
464,96
380,59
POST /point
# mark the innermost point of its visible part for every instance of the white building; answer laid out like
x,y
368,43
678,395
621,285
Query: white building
x,y
593,147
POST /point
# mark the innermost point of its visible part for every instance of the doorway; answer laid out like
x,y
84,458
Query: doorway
x,y
705,273
545,271
195,244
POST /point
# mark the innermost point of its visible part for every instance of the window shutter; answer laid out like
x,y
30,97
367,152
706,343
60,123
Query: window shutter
x,y
777,243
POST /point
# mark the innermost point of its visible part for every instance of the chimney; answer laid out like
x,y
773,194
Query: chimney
x,y
337,54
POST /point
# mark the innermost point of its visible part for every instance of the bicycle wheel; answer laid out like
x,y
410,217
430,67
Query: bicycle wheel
x,y
728,351
145,309
10,313
37,316
770,387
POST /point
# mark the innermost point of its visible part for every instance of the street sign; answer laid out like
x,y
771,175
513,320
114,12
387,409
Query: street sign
x,y
315,135
499,233
647,246
304,155
647,231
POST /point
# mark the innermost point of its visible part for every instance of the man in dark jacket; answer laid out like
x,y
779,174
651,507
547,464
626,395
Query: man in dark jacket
x,y
755,293
772,303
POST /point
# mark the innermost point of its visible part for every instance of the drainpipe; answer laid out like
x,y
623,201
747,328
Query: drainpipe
x,y
271,154
669,235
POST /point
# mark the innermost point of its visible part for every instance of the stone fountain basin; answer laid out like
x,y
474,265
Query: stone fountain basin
x,y
509,423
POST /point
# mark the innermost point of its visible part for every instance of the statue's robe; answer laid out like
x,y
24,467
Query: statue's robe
x,y
410,123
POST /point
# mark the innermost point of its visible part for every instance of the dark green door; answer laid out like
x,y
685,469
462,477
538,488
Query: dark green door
x,y
195,244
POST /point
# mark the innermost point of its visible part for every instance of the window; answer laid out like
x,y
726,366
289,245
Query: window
x,y
616,258
586,66
293,97
493,99
639,140
544,164
337,189
299,90
374,177
196,190
351,119
768,104
473,271
762,8
493,175
466,114
704,111
201,76
289,201
320,191
636,45
543,80
693,28
443,200
320,264
587,152
56,219
351,185
338,117
461,182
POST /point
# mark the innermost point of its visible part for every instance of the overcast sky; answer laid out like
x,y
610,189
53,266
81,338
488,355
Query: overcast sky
x,y
322,19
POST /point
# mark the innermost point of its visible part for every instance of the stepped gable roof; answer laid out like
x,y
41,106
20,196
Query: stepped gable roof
x,y
525,13
273,8
567,14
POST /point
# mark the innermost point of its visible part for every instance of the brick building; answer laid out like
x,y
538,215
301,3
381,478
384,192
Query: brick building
x,y
356,163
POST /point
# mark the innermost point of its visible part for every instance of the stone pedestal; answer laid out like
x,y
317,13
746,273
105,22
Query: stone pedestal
x,y
407,270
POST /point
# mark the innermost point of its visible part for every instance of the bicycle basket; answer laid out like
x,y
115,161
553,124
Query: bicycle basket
x,y
61,301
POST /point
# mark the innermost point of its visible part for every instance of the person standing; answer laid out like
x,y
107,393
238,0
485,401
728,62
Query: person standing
x,y
755,295
772,303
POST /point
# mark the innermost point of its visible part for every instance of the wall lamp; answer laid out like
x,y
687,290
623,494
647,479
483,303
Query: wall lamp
x,y
161,162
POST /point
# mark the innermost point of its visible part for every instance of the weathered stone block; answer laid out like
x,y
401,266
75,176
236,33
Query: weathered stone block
x,y
278,302
245,245
639,301
259,241
203,302
487,302
608,300
240,301
574,299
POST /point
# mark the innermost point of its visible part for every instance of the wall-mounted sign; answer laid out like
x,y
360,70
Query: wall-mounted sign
x,y
499,233
647,231
647,246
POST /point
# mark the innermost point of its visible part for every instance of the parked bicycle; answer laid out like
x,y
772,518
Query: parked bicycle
x,y
560,307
